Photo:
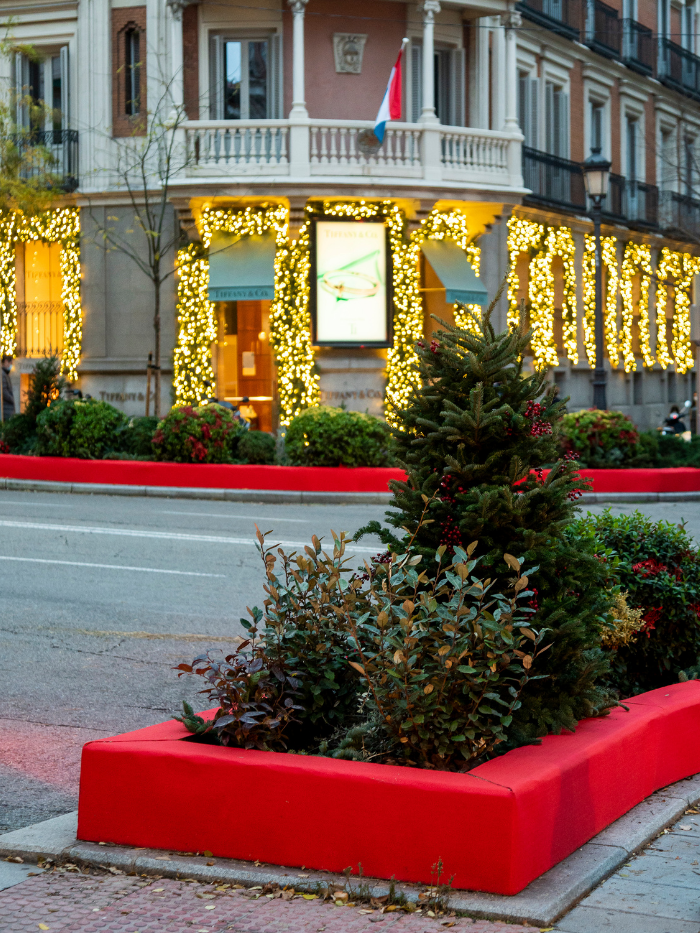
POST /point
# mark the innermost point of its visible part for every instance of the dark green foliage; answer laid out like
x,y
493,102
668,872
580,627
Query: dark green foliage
x,y
134,437
257,447
207,434
476,436
326,436
84,428
600,438
673,451
45,386
659,567
255,694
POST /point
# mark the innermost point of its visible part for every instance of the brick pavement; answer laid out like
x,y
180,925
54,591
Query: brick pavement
x,y
65,901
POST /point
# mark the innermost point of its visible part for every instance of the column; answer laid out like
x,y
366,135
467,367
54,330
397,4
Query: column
x,y
429,8
498,75
298,92
177,78
511,22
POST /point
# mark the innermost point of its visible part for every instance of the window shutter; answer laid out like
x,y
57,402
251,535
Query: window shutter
x,y
563,125
457,87
19,88
532,130
416,82
65,89
216,79
550,133
276,77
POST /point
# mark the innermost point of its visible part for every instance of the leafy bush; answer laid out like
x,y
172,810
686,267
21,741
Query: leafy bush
x,y
84,428
207,434
257,447
326,436
134,437
442,661
659,567
600,438
45,386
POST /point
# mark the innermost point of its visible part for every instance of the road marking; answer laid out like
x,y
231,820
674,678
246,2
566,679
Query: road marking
x,y
165,535
300,521
77,563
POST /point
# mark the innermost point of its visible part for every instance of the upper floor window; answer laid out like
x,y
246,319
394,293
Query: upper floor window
x,y
132,70
557,120
597,112
528,96
244,78
689,166
448,71
41,90
632,146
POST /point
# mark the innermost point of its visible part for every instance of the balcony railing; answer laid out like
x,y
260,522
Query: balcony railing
x,y
680,213
604,30
554,181
638,47
39,328
562,16
679,68
62,162
346,150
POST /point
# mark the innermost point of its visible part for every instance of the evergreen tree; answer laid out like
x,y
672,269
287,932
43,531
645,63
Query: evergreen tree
x,y
475,442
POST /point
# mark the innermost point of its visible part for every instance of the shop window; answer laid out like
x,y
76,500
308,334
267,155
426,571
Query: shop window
x,y
39,304
244,362
245,76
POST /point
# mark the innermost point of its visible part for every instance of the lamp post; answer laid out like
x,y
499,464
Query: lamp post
x,y
596,177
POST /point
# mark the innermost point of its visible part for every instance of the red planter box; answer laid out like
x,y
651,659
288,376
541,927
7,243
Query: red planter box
x,y
496,828
291,479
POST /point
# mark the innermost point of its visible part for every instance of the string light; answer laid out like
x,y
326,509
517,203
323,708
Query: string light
x,y
677,269
53,226
192,362
524,236
609,260
636,260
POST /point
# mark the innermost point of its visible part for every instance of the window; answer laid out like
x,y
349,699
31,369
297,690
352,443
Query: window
x,y
449,84
527,108
632,142
688,38
597,111
41,88
132,71
688,166
245,77
557,120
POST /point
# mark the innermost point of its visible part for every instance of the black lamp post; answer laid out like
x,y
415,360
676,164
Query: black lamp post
x,y
596,177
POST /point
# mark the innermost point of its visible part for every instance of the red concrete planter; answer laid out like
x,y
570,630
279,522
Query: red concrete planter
x,y
292,479
496,828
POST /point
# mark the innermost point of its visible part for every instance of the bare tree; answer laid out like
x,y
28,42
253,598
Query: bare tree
x,y
144,165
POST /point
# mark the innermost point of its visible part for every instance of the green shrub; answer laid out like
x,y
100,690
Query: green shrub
x,y
600,438
45,386
207,434
84,428
257,447
658,566
134,437
325,436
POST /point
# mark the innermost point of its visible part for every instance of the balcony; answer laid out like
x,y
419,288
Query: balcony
x,y
638,47
346,151
553,181
62,146
680,214
604,30
679,69
561,16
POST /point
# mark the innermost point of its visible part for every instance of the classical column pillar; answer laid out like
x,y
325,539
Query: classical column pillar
x,y
177,76
511,22
498,74
298,91
429,8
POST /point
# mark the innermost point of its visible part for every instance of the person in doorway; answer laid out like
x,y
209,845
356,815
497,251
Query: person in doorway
x,y
8,396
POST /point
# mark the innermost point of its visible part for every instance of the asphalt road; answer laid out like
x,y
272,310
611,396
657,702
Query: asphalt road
x,y
101,596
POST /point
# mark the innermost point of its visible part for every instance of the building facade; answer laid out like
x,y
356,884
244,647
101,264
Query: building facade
x,y
302,260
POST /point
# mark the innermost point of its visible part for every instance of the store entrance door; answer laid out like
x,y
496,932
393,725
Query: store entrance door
x,y
244,363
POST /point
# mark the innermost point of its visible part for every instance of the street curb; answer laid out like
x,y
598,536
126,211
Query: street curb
x,y
294,497
541,903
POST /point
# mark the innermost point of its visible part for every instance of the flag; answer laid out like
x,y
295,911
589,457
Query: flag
x,y
391,105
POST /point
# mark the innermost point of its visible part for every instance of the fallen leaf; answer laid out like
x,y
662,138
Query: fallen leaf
x,y
207,853
159,889
163,858
210,907
391,907
684,827
341,895
309,897
211,863
14,858
42,926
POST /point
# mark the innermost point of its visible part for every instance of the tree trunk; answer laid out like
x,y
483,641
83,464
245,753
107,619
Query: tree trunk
x,y
156,328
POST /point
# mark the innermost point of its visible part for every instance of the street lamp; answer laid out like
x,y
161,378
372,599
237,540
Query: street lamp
x,y
596,177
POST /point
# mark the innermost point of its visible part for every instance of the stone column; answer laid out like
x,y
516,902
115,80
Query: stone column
x,y
511,22
429,8
177,77
298,92
499,77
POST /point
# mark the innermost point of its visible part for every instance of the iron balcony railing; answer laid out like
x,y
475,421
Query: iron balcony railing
x,y
680,214
554,181
632,202
679,69
62,149
561,16
604,30
638,47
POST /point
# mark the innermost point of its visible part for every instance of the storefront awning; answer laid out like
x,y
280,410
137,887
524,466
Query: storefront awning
x,y
452,268
241,268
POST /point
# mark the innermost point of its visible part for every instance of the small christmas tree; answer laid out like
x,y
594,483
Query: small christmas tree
x,y
475,441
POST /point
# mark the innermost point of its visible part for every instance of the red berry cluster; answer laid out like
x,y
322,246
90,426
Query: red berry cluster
x,y
434,346
534,602
574,494
4,448
571,455
449,532
539,426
